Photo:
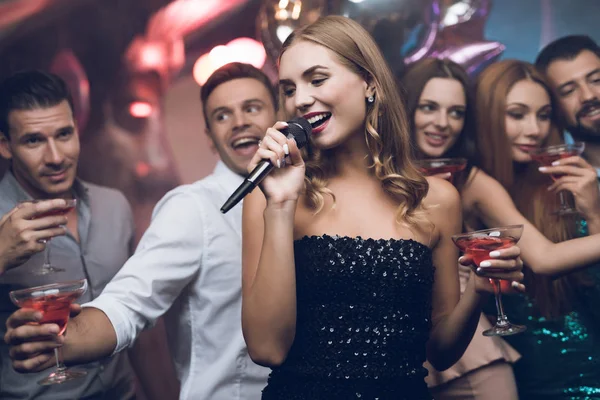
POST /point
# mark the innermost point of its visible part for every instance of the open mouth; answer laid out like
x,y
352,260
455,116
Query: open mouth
x,y
244,143
316,120
436,139
590,111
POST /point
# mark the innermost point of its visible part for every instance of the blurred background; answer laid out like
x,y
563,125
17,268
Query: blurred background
x,y
135,66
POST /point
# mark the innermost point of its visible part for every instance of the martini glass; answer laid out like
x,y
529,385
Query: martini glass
x,y
547,155
48,268
435,166
478,245
54,302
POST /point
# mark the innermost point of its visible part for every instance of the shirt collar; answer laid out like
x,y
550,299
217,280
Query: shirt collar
x,y
229,179
13,189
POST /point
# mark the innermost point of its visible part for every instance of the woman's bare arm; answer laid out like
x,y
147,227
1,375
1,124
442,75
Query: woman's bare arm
x,y
453,324
269,279
454,320
494,206
268,269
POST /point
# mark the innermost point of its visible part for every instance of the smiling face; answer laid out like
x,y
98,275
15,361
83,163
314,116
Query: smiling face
x,y
317,86
576,83
239,112
440,116
527,120
43,149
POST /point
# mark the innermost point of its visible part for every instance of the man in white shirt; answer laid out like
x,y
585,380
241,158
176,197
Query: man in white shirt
x,y
189,261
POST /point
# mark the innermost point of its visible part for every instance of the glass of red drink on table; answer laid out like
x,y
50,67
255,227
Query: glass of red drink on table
x,y
547,155
435,166
478,245
54,302
47,268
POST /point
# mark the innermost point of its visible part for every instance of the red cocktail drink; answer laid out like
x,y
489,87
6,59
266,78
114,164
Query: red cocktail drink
x,y
54,307
479,248
547,158
61,211
436,166
47,268
478,245
547,155
54,302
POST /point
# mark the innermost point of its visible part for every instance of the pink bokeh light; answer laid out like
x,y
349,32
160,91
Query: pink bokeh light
x,y
140,109
245,50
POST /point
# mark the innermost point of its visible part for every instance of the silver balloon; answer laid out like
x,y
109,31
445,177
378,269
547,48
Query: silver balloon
x,y
278,18
461,11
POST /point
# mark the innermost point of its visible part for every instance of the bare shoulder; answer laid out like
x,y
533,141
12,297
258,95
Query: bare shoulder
x,y
443,207
442,196
481,185
482,181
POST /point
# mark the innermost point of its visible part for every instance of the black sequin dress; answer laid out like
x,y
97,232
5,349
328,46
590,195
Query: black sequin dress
x,y
363,319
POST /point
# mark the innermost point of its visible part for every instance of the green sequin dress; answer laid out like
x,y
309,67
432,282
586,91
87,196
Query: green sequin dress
x,y
561,357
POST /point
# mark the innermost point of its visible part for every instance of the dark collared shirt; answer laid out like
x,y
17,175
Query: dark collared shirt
x,y
105,227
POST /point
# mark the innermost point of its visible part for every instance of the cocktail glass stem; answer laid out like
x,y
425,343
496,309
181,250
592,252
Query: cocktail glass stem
x,y
565,207
47,268
502,320
60,367
503,326
47,255
62,374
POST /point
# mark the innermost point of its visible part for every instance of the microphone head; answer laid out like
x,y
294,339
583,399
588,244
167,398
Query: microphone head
x,y
300,129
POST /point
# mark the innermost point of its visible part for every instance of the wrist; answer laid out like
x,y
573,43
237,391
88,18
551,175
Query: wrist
x,y
281,206
593,215
480,287
593,223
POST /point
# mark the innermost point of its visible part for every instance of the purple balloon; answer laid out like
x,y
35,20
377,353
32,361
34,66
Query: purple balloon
x,y
405,30
473,56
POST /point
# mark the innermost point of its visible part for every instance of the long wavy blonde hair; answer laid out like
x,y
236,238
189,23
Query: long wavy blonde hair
x,y
386,125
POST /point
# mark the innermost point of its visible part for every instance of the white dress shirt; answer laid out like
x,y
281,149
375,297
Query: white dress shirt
x,y
189,262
